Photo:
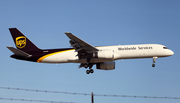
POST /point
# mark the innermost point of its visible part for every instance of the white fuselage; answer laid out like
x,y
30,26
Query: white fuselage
x,y
120,52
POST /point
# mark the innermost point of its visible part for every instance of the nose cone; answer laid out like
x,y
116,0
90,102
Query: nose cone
x,y
172,53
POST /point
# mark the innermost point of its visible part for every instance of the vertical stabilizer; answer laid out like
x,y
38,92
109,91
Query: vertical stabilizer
x,y
21,41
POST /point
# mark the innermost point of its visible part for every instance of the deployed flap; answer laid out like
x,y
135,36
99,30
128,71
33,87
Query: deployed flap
x,y
18,52
78,42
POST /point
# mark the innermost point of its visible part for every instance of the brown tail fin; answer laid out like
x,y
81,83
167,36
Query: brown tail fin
x,y
21,41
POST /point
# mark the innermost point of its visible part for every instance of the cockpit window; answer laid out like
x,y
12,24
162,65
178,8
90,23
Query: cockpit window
x,y
165,48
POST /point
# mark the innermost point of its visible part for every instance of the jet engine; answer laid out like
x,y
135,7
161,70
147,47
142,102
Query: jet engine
x,y
104,54
106,66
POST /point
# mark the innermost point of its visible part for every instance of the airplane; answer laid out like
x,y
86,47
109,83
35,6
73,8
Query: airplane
x,y
85,54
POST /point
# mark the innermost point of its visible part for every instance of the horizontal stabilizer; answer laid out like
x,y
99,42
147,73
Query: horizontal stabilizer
x,y
19,52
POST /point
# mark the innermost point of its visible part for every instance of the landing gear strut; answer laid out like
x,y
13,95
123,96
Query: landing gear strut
x,y
90,70
154,58
90,66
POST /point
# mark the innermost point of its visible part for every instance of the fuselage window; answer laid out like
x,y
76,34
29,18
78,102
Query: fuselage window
x,y
165,48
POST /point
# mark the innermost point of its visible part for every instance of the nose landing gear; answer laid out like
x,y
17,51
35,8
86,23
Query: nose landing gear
x,y
154,58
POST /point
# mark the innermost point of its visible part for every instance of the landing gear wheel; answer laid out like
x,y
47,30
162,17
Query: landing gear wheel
x,y
91,71
86,66
87,71
153,65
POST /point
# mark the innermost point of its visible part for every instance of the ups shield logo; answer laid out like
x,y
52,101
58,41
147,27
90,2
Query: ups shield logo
x,y
21,42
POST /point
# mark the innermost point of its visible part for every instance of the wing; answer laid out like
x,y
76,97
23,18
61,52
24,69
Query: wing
x,y
85,50
80,45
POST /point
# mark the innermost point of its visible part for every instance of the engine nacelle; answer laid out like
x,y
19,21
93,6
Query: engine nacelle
x,y
104,54
106,66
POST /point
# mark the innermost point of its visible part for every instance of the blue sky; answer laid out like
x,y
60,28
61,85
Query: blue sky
x,y
98,22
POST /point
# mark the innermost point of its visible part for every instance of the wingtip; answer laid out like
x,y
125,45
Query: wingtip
x,y
68,33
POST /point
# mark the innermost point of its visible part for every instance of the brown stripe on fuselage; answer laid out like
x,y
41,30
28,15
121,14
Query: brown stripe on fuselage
x,y
40,53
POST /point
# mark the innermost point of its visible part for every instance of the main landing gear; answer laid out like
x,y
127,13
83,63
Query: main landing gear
x,y
85,65
90,66
90,71
154,58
